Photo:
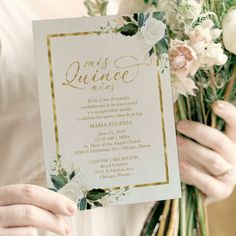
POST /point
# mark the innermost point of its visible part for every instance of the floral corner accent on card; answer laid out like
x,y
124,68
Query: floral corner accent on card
x,y
150,28
68,181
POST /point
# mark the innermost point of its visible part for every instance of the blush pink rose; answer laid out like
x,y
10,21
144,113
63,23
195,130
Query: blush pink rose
x,y
183,59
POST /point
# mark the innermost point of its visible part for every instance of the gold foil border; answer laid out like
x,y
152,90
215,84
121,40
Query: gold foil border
x,y
55,113
53,95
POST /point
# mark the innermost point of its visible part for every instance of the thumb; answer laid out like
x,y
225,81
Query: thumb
x,y
227,112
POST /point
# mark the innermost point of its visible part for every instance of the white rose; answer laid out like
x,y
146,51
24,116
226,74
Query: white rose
x,y
213,55
73,191
229,31
153,31
202,35
184,86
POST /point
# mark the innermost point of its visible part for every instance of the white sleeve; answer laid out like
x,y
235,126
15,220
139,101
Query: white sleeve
x,y
20,132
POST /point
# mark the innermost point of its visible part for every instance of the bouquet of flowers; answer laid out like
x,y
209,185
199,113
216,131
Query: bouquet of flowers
x,y
202,57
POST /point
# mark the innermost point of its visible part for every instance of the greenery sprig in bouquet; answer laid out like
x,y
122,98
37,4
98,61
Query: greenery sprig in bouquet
x,y
202,58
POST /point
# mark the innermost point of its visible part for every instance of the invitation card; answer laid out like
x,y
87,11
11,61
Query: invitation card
x,y
106,109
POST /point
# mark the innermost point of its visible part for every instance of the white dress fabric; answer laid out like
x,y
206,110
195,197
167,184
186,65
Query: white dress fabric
x,y
21,156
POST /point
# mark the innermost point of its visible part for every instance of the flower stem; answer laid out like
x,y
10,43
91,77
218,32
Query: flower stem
x,y
213,119
182,110
163,219
182,211
190,220
152,221
173,218
213,86
203,105
230,85
202,215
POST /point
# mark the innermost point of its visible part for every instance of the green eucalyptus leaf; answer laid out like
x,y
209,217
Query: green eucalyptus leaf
x,y
72,175
151,2
58,181
163,46
129,29
88,206
151,51
135,16
146,17
53,189
127,18
83,204
159,15
64,172
98,204
96,194
140,19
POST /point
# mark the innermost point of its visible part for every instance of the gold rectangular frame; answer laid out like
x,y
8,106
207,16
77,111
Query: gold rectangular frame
x,y
55,114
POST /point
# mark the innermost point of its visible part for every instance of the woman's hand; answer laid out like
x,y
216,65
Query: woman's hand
x,y
23,208
209,162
